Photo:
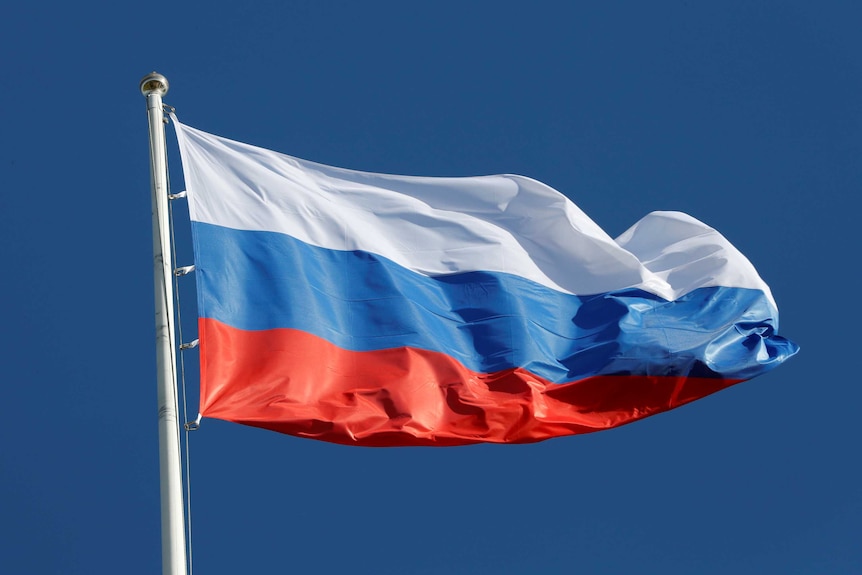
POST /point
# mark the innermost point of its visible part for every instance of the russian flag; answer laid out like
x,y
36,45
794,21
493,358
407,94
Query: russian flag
x,y
384,310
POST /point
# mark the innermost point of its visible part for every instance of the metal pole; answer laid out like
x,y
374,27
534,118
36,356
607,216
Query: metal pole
x,y
154,86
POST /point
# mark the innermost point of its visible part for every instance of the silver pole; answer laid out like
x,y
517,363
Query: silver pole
x,y
154,86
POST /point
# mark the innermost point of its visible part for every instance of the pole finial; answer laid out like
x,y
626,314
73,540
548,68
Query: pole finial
x,y
154,83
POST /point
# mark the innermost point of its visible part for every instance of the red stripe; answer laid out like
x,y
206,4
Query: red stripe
x,y
296,383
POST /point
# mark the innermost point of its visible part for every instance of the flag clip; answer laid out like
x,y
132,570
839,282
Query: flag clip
x,y
184,270
193,425
190,345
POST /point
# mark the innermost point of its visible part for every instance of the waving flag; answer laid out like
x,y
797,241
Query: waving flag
x,y
383,310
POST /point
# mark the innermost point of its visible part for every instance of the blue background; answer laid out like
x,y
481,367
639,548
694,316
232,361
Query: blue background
x,y
744,114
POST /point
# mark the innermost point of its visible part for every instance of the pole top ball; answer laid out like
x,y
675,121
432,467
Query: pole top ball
x,y
154,83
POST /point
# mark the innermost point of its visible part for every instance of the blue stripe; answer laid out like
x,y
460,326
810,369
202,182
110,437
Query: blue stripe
x,y
488,321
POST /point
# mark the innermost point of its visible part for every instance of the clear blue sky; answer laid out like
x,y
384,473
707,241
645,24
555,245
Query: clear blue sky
x,y
745,114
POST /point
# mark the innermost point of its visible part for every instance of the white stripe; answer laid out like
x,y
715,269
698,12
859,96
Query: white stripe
x,y
435,226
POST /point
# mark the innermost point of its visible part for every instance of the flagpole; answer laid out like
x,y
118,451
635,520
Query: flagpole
x,y
154,86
